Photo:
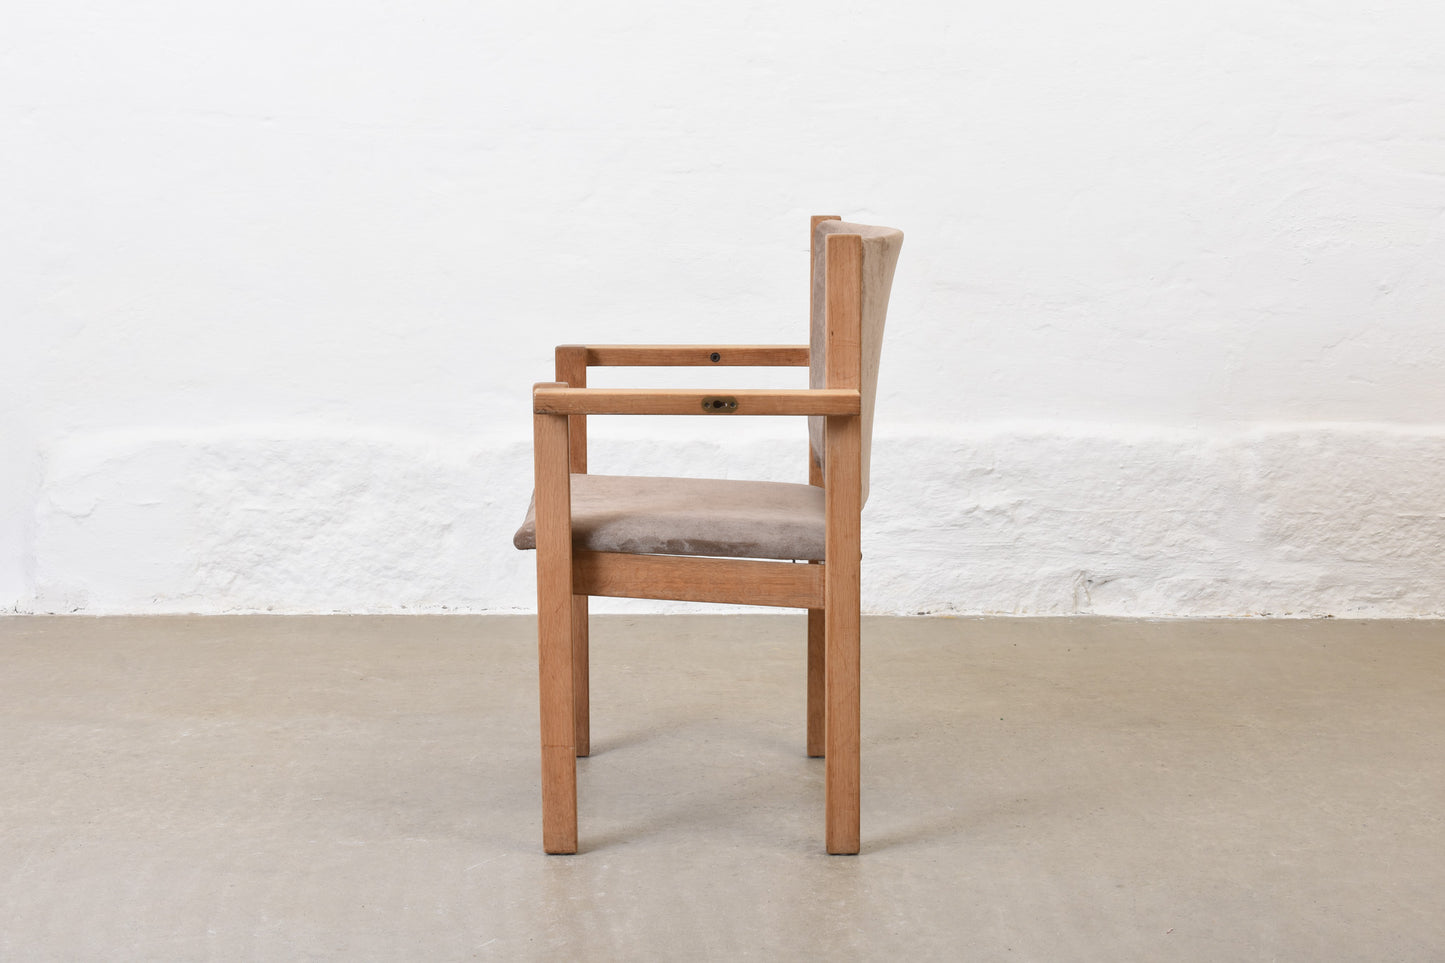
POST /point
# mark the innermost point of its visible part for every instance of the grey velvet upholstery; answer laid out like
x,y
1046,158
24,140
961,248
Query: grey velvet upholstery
x,y
691,516
880,257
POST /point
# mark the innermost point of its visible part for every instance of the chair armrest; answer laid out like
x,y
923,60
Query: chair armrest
x,y
691,355
549,399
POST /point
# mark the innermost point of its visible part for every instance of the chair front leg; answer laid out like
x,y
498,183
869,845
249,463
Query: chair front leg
x,y
843,505
555,634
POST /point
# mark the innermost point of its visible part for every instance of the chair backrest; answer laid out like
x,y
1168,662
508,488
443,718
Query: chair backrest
x,y
880,256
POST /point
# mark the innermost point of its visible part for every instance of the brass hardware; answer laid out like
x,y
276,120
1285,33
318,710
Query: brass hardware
x,y
719,404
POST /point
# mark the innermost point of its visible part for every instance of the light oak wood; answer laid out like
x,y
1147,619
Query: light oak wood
x,y
554,633
559,800
843,307
697,355
571,365
571,368
566,577
559,400
817,664
813,288
686,578
581,678
817,653
842,508
815,469
841,637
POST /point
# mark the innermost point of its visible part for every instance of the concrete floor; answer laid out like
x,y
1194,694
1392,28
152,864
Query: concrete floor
x,y
358,788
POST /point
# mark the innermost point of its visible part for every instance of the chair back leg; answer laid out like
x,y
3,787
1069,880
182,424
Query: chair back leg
x,y
843,505
581,687
817,661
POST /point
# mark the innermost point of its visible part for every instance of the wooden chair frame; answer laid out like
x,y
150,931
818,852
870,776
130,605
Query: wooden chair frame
x,y
829,590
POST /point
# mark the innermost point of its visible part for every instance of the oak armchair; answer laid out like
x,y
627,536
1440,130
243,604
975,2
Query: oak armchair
x,y
709,540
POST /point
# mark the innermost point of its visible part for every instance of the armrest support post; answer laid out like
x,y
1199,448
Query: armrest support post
x,y
571,362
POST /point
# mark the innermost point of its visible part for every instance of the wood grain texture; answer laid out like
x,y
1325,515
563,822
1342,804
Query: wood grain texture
x,y
674,401
816,685
554,633
817,663
842,509
829,591
813,258
697,355
691,579
841,635
571,366
844,312
816,712
581,677
559,800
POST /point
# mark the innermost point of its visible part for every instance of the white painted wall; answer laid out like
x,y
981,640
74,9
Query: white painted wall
x,y
1166,336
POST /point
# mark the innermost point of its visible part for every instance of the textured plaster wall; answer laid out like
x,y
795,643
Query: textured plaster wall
x,y
1022,518
1165,337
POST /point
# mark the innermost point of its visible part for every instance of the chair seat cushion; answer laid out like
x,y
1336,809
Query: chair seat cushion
x,y
691,516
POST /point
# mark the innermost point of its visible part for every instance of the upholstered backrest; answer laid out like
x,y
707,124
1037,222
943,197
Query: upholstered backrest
x,y
880,256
